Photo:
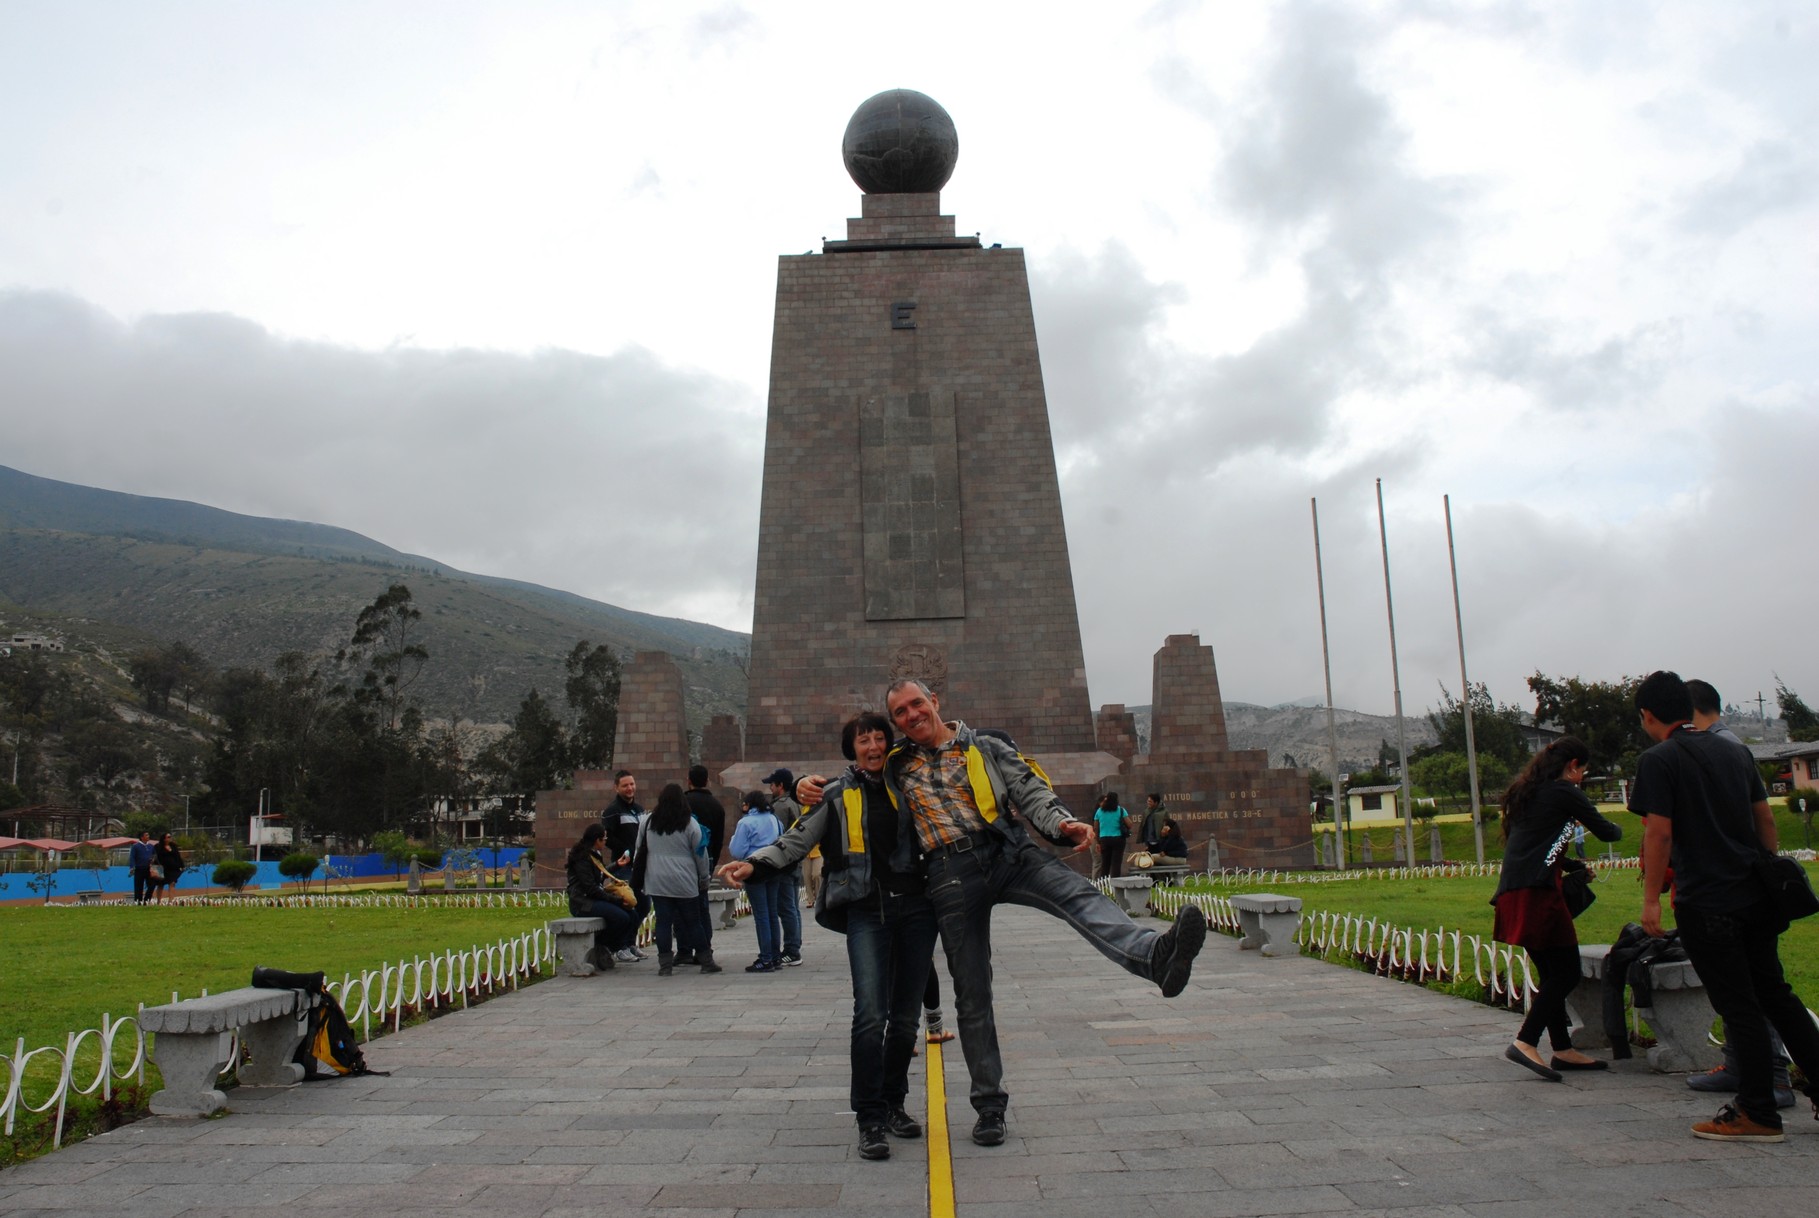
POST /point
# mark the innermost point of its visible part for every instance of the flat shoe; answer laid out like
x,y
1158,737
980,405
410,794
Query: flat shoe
x,y
1522,1059
1560,1063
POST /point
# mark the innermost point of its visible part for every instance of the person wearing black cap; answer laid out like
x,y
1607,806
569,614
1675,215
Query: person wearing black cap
x,y
885,915
789,907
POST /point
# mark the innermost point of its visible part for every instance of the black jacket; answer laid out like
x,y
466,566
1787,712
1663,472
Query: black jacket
x,y
1541,833
621,820
711,814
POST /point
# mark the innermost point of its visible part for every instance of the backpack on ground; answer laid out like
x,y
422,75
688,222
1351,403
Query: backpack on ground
x,y
329,1048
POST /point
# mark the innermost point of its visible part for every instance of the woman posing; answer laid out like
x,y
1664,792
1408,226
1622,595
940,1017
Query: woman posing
x,y
593,892
888,921
757,829
1540,810
670,864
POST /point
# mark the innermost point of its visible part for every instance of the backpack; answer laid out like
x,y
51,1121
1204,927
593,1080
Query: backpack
x,y
329,1048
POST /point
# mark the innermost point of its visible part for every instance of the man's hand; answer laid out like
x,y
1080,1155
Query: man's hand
x,y
624,859
1651,914
809,788
1078,832
735,873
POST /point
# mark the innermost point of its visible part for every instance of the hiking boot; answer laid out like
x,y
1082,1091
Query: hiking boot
x,y
1176,949
1733,1126
707,962
988,1130
666,964
901,1124
687,957
872,1144
1718,1078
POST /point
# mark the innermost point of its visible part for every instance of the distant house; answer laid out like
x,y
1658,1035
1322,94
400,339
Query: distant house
x,y
1799,763
29,642
1366,804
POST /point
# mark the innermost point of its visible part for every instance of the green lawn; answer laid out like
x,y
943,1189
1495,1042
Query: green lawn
x,y
1463,903
64,966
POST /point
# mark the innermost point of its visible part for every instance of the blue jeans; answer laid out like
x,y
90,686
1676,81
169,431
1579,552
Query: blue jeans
x,y
890,945
621,923
765,896
964,887
789,908
1737,956
685,917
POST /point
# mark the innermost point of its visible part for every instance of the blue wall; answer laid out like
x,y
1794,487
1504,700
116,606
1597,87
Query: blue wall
x,y
116,880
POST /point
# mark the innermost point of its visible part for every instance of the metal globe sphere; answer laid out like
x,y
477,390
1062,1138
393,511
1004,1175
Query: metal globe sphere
x,y
900,142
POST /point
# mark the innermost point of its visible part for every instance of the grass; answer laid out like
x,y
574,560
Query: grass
x,y
65,967
1463,903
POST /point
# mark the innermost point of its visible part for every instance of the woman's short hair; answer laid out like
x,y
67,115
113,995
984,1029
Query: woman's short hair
x,y
859,725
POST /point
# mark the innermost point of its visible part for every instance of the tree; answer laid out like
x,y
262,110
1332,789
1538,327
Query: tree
x,y
385,637
234,873
298,865
1497,731
1447,775
1802,720
593,698
395,848
533,756
1600,713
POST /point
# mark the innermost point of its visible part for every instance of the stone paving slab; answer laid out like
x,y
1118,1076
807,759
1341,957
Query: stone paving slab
x,y
1282,1086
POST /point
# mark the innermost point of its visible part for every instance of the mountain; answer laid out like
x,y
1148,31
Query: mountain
x,y
243,589
1294,733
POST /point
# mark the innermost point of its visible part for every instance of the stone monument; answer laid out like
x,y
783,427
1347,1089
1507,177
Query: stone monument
x,y
910,524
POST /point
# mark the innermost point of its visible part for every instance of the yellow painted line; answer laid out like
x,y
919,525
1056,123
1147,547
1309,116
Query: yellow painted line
x,y
940,1152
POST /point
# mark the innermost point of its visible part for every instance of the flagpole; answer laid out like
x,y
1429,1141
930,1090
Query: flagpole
x,y
1341,847
1408,811
1465,685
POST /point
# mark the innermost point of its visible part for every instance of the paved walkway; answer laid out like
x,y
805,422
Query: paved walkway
x,y
1270,1087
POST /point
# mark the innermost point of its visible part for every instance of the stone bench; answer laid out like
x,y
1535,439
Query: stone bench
x,y
575,955
193,1043
1166,872
724,904
1132,892
1268,921
1681,1017
90,896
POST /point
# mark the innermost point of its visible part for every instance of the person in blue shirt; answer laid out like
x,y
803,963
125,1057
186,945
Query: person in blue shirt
x,y
1113,825
141,860
758,828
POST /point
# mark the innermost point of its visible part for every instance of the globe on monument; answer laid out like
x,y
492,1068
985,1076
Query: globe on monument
x,y
900,142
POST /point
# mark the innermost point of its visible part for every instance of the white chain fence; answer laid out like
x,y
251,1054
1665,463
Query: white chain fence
x,y
372,999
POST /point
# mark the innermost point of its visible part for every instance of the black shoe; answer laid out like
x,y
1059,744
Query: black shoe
x,y
1176,950
988,1130
1528,1063
761,965
902,1124
872,1144
790,959
1561,1064
686,958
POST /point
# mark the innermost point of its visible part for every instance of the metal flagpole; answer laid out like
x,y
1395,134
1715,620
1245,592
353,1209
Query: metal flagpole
x,y
1471,744
1408,811
1342,847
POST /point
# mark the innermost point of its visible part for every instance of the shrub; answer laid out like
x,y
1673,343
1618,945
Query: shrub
x,y
298,865
234,873
429,856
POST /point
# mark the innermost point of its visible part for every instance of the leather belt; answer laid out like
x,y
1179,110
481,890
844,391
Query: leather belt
x,y
970,842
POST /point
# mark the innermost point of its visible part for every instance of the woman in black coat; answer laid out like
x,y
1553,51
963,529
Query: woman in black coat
x,y
169,860
1540,811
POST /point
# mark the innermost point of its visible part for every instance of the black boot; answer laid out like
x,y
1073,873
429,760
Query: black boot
x,y
666,964
706,955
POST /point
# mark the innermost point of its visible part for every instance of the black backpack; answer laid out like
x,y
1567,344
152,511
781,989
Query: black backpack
x,y
329,1048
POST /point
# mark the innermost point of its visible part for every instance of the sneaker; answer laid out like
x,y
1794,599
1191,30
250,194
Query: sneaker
x,y
1176,950
636,951
1733,1126
988,1130
1718,1078
872,1144
627,955
902,1125
790,958
761,965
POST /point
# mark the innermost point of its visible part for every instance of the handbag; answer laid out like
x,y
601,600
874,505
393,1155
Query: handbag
x,y
1576,886
1789,889
155,873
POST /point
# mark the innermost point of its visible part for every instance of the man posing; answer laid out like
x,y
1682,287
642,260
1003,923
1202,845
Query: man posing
x,y
1708,812
956,784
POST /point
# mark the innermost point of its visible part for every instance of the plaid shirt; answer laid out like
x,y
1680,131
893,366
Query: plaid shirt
x,y
939,794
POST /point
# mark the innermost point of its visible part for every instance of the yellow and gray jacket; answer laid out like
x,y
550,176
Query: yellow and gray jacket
x,y
1001,779
843,825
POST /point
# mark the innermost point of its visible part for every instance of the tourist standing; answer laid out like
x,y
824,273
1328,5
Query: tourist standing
x,y
141,859
669,863
757,829
708,812
1540,810
621,819
1113,824
168,861
789,906
887,919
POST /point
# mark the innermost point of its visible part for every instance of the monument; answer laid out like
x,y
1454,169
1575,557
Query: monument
x,y
911,524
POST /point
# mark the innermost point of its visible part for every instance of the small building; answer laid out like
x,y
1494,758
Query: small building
x,y
1799,762
1364,805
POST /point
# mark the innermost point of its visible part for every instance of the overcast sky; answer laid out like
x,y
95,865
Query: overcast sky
x,y
494,283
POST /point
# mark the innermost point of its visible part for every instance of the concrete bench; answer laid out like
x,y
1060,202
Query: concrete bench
x,y
1132,892
90,896
1681,1017
575,952
724,904
193,1041
1165,870
1268,921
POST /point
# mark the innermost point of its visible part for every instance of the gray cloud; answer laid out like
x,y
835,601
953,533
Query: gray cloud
x,y
615,476
1771,177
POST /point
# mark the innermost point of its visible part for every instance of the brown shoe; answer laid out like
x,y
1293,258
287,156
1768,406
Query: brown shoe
x,y
1731,1125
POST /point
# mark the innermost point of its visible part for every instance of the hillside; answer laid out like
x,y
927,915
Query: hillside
x,y
242,590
